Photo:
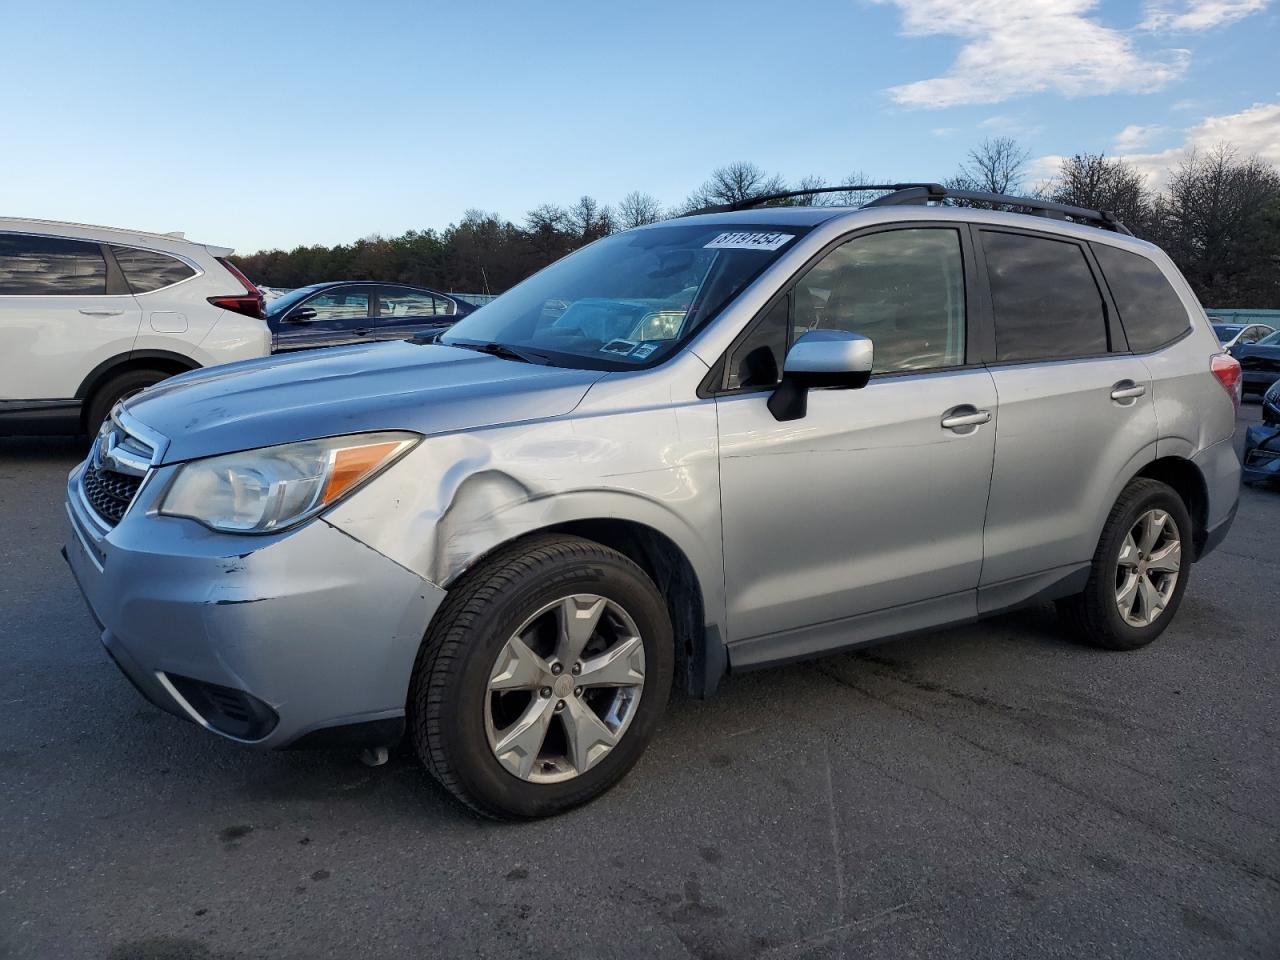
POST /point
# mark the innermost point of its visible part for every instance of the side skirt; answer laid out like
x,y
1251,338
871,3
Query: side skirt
x,y
27,418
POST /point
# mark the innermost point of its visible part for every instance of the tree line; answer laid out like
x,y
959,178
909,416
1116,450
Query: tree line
x,y
1217,215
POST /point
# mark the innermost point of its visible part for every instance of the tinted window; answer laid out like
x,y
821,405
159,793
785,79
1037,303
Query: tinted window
x,y
903,288
48,266
345,303
147,270
1046,302
1150,310
401,302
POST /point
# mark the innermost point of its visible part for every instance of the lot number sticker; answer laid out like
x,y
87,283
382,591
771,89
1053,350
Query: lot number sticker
x,y
749,241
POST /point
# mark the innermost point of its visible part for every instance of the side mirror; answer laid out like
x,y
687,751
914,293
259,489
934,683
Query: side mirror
x,y
301,315
820,358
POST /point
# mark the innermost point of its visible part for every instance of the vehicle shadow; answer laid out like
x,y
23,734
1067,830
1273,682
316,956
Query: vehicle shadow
x,y
28,449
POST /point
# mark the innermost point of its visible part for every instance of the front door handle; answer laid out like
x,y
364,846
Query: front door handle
x,y
1127,390
958,421
105,312
362,331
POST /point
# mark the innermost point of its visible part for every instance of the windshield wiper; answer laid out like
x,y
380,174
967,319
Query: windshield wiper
x,y
502,350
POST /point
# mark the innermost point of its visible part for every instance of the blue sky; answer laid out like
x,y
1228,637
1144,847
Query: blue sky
x,y
272,124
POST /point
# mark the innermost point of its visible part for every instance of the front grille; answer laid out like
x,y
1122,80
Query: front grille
x,y
117,465
108,492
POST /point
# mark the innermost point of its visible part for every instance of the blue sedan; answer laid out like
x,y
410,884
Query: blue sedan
x,y
337,313
1262,441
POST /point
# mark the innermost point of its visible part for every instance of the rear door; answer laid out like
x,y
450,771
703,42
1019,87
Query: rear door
x,y
64,309
333,317
404,312
1076,408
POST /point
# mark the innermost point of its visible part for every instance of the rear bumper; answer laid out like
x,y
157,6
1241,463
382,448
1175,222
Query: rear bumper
x,y
266,641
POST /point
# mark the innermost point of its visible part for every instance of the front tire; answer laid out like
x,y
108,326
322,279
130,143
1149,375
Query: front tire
x,y
542,677
1139,571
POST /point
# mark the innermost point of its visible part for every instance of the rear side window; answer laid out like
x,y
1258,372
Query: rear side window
x,y
1046,302
50,266
147,270
401,302
1150,310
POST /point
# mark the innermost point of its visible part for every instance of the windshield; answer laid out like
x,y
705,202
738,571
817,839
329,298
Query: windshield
x,y
1226,331
628,300
282,303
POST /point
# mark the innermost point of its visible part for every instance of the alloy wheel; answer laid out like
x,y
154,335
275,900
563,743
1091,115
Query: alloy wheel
x,y
564,688
1148,568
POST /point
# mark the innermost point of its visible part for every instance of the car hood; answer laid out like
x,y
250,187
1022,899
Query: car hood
x,y
427,388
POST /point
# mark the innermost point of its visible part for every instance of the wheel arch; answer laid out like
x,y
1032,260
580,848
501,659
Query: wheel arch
x,y
165,360
701,657
1189,483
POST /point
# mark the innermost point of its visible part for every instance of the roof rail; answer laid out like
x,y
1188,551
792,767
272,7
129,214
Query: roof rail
x,y
936,192
902,194
749,202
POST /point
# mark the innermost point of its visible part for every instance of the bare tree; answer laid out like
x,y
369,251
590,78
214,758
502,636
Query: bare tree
x,y
1218,220
1094,181
855,197
733,183
547,217
997,165
637,209
589,220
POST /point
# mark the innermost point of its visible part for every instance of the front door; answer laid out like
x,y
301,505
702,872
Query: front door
x,y
333,317
867,513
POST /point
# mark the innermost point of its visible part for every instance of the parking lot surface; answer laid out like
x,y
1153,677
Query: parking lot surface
x,y
990,791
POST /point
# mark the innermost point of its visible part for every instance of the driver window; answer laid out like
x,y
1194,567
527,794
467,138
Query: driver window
x,y
904,289
340,304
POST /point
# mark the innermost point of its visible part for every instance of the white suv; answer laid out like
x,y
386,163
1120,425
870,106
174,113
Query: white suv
x,y
90,315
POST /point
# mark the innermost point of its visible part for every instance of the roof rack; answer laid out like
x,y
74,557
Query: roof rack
x,y
903,194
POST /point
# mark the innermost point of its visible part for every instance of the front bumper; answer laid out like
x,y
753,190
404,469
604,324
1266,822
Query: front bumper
x,y
1261,454
264,640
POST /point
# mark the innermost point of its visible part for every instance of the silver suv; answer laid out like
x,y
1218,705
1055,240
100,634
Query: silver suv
x,y
687,450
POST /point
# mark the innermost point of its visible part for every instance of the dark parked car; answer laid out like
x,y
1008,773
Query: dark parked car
x,y
1259,362
1233,334
332,314
1262,442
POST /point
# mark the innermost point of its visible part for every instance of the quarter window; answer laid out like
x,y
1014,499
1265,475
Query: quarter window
x,y
1047,305
147,270
50,266
1150,310
340,305
903,289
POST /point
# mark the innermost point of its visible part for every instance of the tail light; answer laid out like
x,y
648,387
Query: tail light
x,y
1227,369
251,303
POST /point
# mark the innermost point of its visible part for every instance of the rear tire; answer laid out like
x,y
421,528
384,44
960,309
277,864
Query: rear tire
x,y
460,719
1131,596
120,387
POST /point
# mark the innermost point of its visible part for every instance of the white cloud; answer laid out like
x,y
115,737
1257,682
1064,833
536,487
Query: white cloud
x,y
1031,46
1198,14
1136,135
1255,131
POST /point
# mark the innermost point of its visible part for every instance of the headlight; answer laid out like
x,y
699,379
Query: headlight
x,y
268,489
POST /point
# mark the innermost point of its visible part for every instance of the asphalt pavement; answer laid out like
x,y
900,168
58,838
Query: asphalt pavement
x,y
989,791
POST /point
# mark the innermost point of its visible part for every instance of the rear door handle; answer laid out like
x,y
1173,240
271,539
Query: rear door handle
x,y
958,421
1127,390
105,312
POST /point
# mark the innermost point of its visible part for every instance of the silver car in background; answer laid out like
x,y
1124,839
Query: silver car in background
x,y
687,450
